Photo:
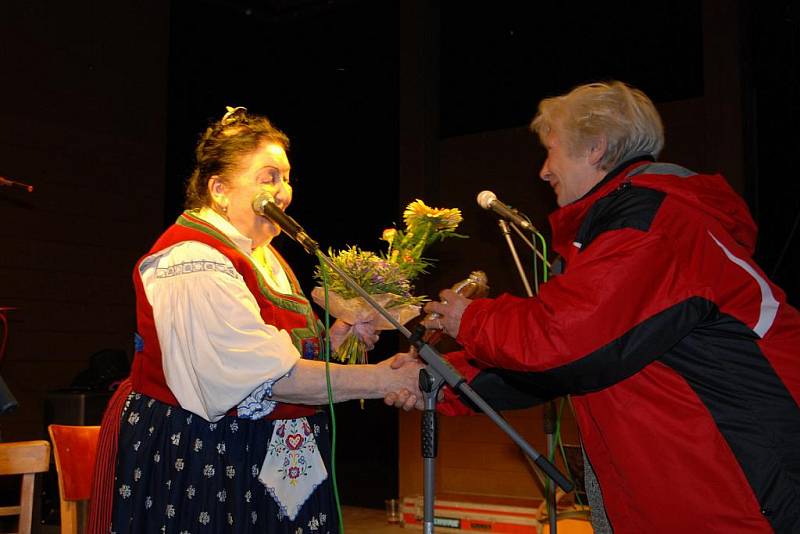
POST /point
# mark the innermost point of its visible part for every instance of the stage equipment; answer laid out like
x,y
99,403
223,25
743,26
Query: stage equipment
x,y
8,402
489,201
264,205
431,379
13,183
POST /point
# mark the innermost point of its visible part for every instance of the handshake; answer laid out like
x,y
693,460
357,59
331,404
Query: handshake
x,y
403,384
403,392
396,379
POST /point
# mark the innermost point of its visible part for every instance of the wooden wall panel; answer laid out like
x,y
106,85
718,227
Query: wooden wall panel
x,y
84,121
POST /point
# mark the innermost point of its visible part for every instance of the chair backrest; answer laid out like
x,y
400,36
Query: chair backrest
x,y
24,458
75,449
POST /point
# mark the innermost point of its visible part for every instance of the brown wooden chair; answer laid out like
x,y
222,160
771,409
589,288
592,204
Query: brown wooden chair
x,y
75,449
24,458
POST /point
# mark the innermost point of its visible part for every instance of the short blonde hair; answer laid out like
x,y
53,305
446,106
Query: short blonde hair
x,y
625,116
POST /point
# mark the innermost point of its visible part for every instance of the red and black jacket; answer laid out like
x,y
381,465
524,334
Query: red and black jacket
x,y
683,359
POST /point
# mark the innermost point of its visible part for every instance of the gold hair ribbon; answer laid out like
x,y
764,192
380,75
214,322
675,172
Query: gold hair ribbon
x,y
234,115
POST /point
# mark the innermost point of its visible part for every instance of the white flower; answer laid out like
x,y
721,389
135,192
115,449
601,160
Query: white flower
x,y
179,464
169,484
148,502
222,495
137,474
125,491
230,519
253,517
137,445
151,430
212,426
198,445
204,518
157,457
221,448
188,419
323,518
175,438
248,496
234,426
133,418
150,403
170,510
169,411
254,471
190,492
208,471
230,471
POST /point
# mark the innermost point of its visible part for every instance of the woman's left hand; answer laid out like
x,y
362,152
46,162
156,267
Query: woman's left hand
x,y
366,332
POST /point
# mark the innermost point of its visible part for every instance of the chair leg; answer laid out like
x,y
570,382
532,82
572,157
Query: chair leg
x,y
69,517
26,507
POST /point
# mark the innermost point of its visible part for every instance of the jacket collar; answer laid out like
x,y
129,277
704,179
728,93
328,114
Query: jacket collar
x,y
566,220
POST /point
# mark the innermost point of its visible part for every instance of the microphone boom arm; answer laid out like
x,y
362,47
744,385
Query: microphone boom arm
x,y
431,379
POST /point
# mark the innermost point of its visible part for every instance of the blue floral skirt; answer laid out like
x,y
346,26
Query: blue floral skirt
x,y
178,473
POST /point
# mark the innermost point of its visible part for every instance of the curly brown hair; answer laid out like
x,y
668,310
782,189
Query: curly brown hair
x,y
223,145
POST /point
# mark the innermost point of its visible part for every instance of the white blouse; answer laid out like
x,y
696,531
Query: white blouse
x,y
216,349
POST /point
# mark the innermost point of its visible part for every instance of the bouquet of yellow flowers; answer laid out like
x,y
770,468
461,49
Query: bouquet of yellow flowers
x,y
386,276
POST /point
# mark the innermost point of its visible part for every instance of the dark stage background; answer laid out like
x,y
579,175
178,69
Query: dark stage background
x,y
384,102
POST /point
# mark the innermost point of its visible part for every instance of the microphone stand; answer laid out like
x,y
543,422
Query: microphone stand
x,y
507,234
431,379
549,414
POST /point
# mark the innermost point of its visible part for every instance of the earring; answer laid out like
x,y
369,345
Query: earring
x,y
220,208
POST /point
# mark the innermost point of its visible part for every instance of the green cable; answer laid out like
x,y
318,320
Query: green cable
x,y
544,255
327,353
552,454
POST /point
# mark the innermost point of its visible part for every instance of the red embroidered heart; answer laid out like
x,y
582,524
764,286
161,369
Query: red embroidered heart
x,y
294,441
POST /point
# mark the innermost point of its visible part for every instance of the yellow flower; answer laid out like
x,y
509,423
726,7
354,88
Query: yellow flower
x,y
388,235
441,218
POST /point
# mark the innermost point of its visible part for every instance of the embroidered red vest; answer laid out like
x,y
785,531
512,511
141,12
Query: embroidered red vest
x,y
292,313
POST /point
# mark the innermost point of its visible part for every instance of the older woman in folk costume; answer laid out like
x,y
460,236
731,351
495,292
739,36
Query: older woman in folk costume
x,y
222,430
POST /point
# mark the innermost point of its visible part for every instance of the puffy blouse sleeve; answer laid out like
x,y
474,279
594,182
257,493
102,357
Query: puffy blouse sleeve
x,y
216,349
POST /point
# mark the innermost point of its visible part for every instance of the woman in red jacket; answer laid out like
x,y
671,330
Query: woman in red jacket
x,y
682,358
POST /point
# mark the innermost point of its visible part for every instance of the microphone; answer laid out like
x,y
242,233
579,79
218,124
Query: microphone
x,y
264,205
14,183
488,201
